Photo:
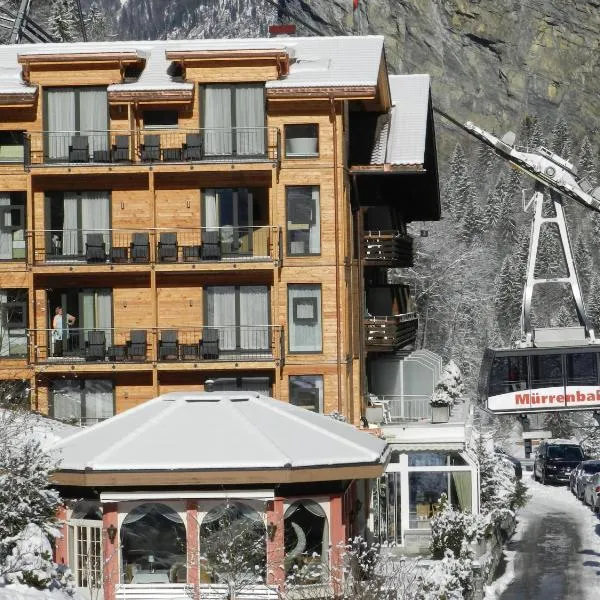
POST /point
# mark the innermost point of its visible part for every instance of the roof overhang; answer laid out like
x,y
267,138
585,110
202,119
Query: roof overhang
x,y
279,56
386,168
152,96
358,92
131,479
18,99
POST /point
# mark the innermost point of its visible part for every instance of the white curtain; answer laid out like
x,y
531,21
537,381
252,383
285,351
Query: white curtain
x,y
217,120
315,228
5,231
95,306
304,318
104,313
98,400
70,235
60,106
211,209
254,317
221,313
250,119
93,117
315,509
66,397
95,214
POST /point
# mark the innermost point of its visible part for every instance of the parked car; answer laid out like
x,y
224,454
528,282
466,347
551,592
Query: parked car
x,y
555,459
591,492
515,462
582,474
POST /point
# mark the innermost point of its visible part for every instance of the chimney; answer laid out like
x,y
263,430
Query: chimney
x,y
282,30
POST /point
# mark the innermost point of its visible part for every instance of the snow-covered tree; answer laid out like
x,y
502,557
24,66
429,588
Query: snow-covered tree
x,y
472,222
96,23
593,303
459,189
507,298
62,22
561,424
561,140
531,134
25,496
586,164
583,262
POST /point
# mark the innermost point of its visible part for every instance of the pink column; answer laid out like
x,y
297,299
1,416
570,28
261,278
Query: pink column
x,y
193,550
110,550
337,539
60,546
275,550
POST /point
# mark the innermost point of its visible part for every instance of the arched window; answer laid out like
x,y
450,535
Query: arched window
x,y
153,545
233,545
306,536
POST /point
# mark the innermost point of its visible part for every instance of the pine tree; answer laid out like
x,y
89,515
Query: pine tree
x,y
96,24
25,497
493,205
459,189
531,132
561,140
593,303
507,298
583,262
564,317
62,22
472,221
586,163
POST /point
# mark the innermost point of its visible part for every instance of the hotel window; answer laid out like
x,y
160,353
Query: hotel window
x,y
234,120
12,226
76,111
303,220
13,323
11,147
160,119
301,141
304,318
82,401
307,391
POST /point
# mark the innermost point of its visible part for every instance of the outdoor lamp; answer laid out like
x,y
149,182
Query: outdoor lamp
x,y
271,530
111,532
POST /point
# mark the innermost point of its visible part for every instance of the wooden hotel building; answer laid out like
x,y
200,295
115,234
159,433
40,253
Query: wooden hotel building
x,y
177,211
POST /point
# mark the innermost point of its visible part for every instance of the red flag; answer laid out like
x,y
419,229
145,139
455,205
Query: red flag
x,y
354,4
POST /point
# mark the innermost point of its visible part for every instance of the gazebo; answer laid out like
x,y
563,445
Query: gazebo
x,y
154,494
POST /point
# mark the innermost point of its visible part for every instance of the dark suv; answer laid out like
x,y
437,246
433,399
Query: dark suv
x,y
555,459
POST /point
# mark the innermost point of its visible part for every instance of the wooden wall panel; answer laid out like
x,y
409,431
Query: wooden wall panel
x,y
178,208
131,209
230,72
180,306
132,308
132,389
74,75
13,275
17,119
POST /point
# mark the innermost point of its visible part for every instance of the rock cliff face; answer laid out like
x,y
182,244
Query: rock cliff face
x,y
492,61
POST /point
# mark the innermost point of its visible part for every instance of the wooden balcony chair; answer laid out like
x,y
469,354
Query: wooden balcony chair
x,y
79,150
137,346
210,343
167,247
140,247
150,149
211,245
120,149
193,147
95,248
168,346
96,346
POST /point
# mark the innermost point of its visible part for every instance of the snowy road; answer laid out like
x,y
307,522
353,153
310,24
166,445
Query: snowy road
x,y
555,553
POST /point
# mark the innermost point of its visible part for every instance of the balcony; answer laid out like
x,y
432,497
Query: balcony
x,y
386,334
241,343
387,249
158,146
153,246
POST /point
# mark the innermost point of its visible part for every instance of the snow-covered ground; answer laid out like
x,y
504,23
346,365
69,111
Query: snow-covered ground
x,y
549,502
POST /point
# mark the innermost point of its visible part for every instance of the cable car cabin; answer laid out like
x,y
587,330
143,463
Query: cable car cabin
x,y
540,379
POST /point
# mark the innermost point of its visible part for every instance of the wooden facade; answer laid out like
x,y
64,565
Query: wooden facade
x,y
155,197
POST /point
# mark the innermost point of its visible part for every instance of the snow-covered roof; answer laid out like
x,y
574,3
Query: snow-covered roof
x,y
218,431
447,436
314,61
402,133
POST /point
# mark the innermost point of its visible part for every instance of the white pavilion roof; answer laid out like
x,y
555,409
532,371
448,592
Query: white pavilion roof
x,y
216,431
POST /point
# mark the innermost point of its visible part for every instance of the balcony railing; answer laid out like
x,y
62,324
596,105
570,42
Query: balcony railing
x,y
113,345
387,248
407,408
120,246
205,145
391,333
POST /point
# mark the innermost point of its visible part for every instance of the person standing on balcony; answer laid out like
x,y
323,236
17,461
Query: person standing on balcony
x,y
57,330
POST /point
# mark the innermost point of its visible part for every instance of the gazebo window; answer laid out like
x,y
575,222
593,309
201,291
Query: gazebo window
x,y
84,535
153,545
306,535
233,546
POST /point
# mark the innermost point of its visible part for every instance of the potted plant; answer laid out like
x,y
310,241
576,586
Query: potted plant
x,y
441,401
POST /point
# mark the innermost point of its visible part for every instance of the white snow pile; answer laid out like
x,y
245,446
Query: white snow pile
x,y
450,388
